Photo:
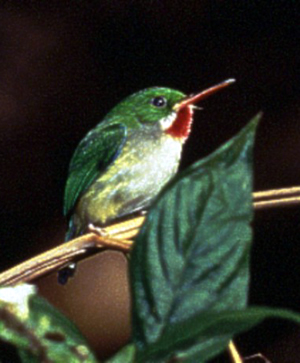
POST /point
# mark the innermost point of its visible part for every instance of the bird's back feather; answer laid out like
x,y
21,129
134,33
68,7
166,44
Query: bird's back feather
x,y
92,157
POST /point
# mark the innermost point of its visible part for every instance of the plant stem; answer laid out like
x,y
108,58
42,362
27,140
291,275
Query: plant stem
x,y
62,255
234,354
276,198
118,237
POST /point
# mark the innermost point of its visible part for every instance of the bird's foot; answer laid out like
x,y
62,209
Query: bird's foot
x,y
98,230
65,273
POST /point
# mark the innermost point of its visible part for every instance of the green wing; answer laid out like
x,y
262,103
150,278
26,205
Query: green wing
x,y
93,155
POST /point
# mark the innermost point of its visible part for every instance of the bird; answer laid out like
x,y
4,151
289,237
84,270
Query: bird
x,y
123,163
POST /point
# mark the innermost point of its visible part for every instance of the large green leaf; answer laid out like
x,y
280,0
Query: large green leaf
x,y
192,253
209,325
38,330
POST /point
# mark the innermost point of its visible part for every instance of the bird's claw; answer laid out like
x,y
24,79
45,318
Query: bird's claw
x,y
97,230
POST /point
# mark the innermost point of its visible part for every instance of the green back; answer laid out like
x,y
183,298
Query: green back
x,y
92,156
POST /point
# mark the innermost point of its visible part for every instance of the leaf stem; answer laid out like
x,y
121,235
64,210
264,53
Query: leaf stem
x,y
234,354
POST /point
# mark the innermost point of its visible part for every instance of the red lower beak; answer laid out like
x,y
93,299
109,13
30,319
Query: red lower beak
x,y
190,100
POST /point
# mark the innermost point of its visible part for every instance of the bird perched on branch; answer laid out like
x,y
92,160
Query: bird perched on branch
x,y
123,163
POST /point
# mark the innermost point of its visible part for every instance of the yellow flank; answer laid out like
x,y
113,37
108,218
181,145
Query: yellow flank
x,y
144,166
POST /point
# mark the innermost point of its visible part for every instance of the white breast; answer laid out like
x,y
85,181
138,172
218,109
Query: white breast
x,y
147,162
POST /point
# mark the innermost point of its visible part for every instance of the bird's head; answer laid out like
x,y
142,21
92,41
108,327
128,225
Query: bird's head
x,y
169,109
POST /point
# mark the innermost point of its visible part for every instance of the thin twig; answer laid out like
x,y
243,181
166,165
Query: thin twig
x,y
283,192
119,238
60,256
234,354
276,198
280,202
125,230
256,356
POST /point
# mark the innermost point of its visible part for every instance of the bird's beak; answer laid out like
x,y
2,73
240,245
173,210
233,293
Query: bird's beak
x,y
190,100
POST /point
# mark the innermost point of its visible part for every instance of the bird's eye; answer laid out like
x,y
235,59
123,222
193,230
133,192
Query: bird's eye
x,y
159,101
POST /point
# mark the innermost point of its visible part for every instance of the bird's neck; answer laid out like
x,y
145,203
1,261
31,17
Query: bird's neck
x,y
181,127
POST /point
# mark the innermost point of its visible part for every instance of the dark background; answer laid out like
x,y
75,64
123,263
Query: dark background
x,y
64,65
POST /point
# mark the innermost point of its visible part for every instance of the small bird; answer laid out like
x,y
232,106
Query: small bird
x,y
121,165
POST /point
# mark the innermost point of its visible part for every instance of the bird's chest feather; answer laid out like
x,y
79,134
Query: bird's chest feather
x,y
145,165
147,160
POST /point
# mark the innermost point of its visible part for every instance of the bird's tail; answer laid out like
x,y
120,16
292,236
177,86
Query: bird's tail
x,y
65,273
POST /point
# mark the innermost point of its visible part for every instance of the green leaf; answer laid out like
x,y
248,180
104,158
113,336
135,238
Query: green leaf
x,y
207,325
28,357
192,253
125,355
38,330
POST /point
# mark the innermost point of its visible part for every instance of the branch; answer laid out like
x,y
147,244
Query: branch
x,y
60,256
276,198
120,235
234,354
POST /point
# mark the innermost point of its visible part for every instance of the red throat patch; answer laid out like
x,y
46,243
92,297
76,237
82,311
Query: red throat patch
x,y
181,127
